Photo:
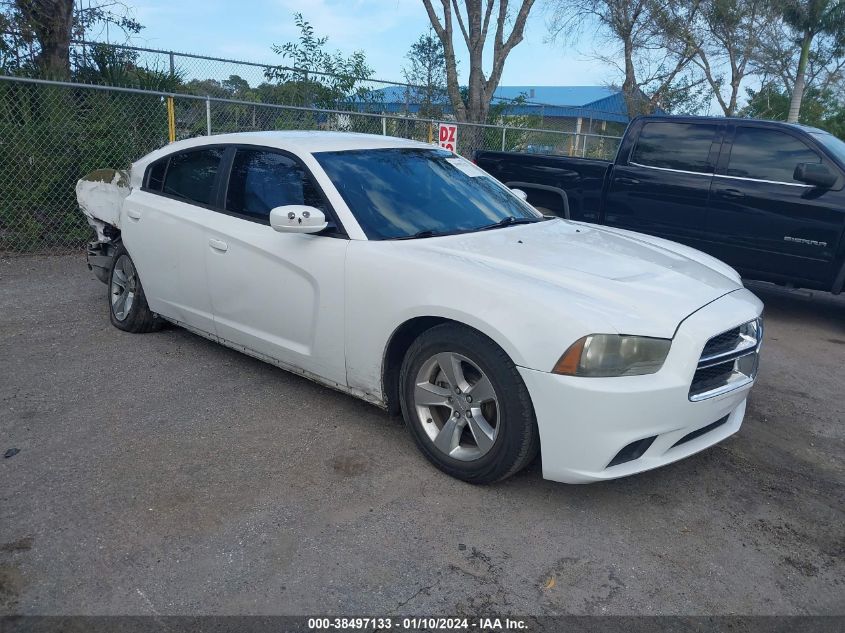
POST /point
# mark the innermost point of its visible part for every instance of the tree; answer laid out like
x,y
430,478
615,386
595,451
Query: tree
x,y
777,56
38,33
724,35
317,76
426,75
50,22
639,32
474,27
819,108
807,20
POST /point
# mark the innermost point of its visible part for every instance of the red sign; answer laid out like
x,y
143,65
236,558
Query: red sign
x,y
448,136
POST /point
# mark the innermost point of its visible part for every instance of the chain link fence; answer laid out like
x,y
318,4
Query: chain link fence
x,y
100,62
53,133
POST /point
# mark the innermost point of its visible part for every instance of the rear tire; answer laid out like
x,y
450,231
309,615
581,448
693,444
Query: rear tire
x,y
466,405
128,309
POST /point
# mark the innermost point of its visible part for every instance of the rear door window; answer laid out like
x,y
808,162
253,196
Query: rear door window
x,y
262,180
763,154
155,175
191,175
682,146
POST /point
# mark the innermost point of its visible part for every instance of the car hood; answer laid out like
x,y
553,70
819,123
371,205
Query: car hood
x,y
638,287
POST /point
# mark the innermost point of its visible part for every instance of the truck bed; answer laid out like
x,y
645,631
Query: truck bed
x,y
581,178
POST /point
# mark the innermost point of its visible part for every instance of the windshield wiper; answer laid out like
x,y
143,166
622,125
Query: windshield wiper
x,y
418,234
508,221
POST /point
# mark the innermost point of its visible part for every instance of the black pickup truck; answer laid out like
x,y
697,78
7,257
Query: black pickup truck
x,y
766,197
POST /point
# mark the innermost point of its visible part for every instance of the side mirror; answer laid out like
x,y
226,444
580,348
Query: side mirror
x,y
520,194
297,218
814,174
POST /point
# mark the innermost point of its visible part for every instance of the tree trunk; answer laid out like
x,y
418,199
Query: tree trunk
x,y
629,86
474,30
798,89
52,23
733,103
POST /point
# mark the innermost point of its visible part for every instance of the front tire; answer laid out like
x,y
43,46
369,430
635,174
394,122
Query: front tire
x,y
128,309
466,405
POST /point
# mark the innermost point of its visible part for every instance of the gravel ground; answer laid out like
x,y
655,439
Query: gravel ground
x,y
164,474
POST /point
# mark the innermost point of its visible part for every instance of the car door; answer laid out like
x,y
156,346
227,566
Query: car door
x,y
661,188
280,295
765,222
164,228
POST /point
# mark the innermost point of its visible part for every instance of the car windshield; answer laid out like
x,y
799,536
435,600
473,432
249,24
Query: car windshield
x,y
834,145
408,192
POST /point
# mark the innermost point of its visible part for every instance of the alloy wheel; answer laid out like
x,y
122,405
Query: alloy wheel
x,y
457,406
124,285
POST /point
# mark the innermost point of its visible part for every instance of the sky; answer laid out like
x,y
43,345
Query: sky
x,y
383,29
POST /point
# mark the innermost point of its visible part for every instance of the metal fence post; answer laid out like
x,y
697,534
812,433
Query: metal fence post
x,y
171,119
383,126
208,116
172,66
503,137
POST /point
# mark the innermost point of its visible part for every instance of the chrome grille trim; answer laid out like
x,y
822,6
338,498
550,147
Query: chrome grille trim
x,y
744,346
737,352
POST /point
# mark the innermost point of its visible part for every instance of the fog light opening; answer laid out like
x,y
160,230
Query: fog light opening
x,y
633,451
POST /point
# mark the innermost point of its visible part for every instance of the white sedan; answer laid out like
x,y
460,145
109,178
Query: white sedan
x,y
404,275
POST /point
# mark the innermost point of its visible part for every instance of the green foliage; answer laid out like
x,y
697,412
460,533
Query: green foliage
x,y
820,108
103,64
318,77
814,16
53,136
426,74
34,35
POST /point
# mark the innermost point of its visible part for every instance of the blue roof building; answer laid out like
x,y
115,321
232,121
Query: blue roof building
x,y
599,103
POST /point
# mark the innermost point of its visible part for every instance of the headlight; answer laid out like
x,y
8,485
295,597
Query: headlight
x,y
603,355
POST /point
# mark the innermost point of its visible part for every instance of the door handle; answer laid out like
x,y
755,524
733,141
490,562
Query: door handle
x,y
732,193
624,180
133,214
218,245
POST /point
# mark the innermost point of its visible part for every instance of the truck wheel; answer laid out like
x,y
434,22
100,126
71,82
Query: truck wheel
x,y
128,309
466,405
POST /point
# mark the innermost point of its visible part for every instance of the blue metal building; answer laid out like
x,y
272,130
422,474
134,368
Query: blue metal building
x,y
599,103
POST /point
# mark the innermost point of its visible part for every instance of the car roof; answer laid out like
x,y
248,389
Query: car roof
x,y
300,141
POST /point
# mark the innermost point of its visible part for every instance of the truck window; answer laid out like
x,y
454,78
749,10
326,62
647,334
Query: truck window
x,y
767,155
683,146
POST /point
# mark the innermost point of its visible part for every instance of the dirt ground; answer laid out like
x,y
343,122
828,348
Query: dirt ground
x,y
164,474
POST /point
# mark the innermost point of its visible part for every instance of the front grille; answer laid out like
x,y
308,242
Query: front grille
x,y
722,343
728,361
711,377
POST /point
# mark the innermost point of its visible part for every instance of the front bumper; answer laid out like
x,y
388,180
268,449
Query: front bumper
x,y
584,423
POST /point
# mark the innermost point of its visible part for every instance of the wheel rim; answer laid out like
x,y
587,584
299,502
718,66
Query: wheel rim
x,y
457,406
124,285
